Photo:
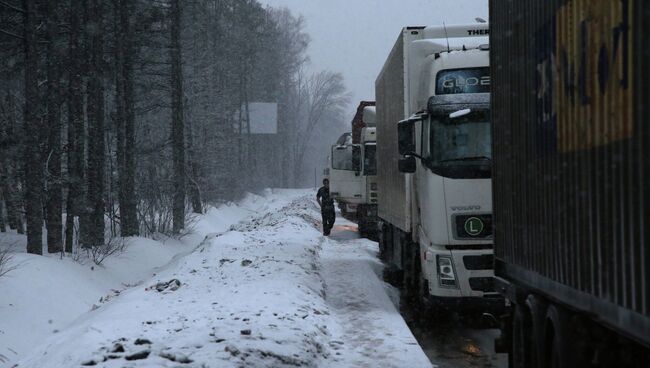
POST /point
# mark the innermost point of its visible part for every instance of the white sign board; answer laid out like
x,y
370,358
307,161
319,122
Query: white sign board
x,y
263,116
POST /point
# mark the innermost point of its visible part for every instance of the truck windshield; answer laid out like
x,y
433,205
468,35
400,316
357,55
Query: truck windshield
x,y
342,158
461,147
370,159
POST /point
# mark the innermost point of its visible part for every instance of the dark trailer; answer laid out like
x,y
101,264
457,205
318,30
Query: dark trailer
x,y
571,178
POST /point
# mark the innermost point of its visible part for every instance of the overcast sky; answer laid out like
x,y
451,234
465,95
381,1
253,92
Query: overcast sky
x,y
355,36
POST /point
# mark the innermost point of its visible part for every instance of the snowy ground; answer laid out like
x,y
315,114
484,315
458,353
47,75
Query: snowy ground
x,y
269,292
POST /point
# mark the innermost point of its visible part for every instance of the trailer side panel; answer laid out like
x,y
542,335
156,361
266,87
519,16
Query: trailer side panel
x,y
571,142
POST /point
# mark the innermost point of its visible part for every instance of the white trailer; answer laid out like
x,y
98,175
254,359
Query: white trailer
x,y
435,212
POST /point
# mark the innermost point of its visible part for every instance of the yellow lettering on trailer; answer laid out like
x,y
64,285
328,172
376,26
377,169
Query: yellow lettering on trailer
x,y
593,73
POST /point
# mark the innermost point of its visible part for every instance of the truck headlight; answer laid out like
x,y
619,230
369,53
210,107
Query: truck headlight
x,y
446,273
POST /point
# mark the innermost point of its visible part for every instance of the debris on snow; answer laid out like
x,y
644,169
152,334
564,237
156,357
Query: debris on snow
x,y
143,354
118,348
141,341
171,285
178,358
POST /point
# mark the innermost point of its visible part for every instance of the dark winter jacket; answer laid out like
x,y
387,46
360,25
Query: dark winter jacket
x,y
326,200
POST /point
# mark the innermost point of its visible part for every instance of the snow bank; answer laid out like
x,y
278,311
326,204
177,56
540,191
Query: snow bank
x,y
271,292
44,294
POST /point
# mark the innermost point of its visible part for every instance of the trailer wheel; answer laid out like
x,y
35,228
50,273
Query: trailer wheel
x,y
521,338
559,351
537,308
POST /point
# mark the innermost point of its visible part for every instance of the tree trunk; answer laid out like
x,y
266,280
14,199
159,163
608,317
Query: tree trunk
x,y
177,129
126,120
96,144
10,190
12,201
33,168
3,223
53,161
75,124
195,189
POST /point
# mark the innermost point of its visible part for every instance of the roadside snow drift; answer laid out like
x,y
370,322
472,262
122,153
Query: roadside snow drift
x,y
270,292
44,294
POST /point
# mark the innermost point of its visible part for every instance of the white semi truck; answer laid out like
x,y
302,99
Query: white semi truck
x,y
353,169
434,166
367,167
345,181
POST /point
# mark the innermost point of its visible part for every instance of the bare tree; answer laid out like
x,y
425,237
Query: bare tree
x,y
53,161
9,162
33,164
125,106
177,129
320,95
75,98
94,210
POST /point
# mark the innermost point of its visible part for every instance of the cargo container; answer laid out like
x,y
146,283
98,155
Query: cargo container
x,y
571,145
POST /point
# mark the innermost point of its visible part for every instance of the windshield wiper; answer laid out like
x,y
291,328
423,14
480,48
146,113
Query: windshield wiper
x,y
475,158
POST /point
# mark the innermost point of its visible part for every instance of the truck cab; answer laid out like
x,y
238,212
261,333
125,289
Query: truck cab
x,y
353,171
453,189
344,176
367,210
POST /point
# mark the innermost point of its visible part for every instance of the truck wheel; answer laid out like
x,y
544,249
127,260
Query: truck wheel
x,y
412,272
521,338
558,340
537,308
363,231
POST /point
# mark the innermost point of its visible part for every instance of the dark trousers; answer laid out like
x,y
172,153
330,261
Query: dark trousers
x,y
328,219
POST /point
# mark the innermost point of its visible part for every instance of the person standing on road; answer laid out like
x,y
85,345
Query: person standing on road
x,y
326,203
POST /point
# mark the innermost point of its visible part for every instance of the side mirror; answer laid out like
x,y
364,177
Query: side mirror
x,y
407,165
406,137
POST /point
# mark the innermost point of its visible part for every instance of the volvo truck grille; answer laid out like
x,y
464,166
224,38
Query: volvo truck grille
x,y
484,284
482,262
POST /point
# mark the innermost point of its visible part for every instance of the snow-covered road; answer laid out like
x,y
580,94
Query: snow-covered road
x,y
270,292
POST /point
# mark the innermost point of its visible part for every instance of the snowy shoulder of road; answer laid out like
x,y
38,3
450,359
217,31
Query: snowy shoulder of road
x,y
270,291
44,294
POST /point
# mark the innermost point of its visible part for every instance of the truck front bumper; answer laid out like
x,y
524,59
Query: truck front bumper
x,y
493,304
367,219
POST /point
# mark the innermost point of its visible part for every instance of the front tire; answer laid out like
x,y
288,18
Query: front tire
x,y
412,271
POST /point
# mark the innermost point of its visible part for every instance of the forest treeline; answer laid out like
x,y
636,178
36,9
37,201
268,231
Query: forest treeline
x,y
121,118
